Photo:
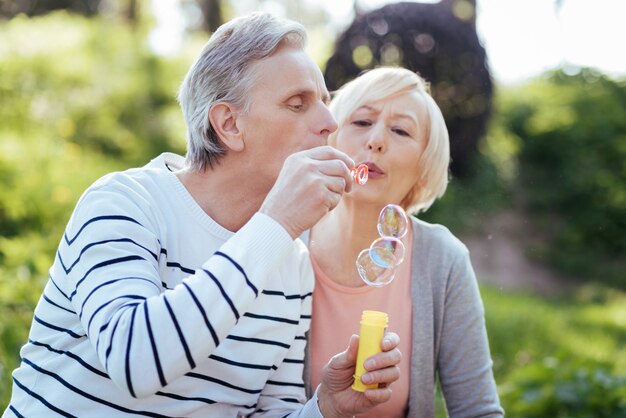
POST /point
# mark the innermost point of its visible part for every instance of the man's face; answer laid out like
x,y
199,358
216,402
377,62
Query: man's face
x,y
287,111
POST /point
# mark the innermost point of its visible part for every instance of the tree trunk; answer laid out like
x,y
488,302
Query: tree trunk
x,y
211,14
132,14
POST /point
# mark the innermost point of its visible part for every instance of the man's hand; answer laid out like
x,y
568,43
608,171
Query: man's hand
x,y
310,184
336,397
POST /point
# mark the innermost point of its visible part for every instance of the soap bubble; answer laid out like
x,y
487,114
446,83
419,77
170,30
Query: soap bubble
x,y
392,222
371,273
387,252
377,265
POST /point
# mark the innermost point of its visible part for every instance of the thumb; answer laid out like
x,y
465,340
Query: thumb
x,y
353,349
347,358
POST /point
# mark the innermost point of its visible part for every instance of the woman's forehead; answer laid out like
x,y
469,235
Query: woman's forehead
x,y
409,105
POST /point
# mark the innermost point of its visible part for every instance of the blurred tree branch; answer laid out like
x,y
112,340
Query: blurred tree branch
x,y
211,14
12,8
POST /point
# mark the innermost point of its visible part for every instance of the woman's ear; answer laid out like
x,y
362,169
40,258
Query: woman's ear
x,y
223,118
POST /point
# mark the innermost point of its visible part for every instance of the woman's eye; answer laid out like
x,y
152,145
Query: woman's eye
x,y
401,132
362,123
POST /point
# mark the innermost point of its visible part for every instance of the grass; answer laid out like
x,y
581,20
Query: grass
x,y
524,330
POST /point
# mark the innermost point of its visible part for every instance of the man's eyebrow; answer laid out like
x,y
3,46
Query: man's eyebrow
x,y
309,93
299,92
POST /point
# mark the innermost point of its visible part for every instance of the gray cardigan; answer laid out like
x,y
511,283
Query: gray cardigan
x,y
449,333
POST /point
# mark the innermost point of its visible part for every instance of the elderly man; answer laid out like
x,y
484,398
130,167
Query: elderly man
x,y
181,288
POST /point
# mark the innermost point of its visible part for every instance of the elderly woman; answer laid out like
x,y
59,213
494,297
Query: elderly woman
x,y
388,120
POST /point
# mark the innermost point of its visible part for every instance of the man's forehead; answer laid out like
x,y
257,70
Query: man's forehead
x,y
294,72
312,83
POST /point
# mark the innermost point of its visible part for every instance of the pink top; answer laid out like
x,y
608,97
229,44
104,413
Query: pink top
x,y
336,315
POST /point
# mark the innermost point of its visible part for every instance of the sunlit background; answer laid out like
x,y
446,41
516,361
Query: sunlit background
x,y
523,38
534,96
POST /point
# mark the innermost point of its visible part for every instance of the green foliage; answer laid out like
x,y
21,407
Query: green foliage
x,y
545,350
565,388
79,98
558,357
467,201
92,83
572,166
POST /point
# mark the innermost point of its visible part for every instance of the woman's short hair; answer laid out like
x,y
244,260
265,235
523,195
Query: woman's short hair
x,y
380,84
222,74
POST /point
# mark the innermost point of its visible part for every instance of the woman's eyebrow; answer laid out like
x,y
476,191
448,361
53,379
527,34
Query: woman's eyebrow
x,y
409,116
369,108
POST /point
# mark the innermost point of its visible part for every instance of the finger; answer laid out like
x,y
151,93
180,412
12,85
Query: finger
x,y
326,152
336,185
333,200
390,341
382,377
383,359
349,182
379,395
336,168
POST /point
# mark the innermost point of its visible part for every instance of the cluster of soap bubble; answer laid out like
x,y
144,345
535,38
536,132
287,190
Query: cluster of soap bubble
x,y
377,264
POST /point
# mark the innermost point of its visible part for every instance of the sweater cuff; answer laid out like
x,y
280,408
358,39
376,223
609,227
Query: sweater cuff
x,y
264,243
311,409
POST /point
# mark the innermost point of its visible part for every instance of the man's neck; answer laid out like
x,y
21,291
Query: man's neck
x,y
225,193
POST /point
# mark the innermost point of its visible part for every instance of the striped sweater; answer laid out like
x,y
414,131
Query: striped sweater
x,y
153,309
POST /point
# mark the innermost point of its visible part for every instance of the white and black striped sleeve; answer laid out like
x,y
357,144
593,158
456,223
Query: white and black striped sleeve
x,y
146,337
284,393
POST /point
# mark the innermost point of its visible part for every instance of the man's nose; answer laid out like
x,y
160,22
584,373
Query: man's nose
x,y
327,122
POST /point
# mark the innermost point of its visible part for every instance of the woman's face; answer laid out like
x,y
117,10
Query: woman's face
x,y
389,136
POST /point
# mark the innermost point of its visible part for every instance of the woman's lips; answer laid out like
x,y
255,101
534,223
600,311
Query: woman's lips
x,y
374,170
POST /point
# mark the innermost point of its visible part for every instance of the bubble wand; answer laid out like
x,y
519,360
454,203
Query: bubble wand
x,y
360,174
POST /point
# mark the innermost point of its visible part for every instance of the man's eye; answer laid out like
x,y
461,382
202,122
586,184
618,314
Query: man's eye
x,y
296,104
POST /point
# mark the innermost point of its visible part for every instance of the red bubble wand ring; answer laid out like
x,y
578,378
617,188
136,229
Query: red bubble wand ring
x,y
360,174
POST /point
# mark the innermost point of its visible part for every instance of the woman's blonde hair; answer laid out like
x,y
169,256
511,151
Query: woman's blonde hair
x,y
383,83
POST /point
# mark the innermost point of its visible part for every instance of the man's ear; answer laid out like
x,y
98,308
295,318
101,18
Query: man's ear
x,y
223,118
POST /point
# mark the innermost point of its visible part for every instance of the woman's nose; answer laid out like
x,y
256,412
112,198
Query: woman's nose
x,y
376,140
375,147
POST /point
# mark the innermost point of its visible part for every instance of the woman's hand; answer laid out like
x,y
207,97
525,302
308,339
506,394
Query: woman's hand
x,y
336,397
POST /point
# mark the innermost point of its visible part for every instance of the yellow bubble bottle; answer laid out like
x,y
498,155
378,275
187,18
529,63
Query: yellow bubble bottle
x,y
373,325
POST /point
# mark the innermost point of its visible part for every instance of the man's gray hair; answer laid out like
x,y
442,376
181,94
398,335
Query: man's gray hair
x,y
222,74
